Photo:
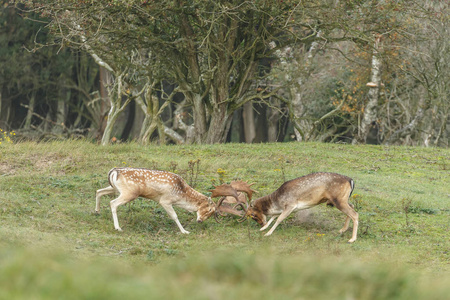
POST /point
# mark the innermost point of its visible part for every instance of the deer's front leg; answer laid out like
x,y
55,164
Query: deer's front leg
x,y
268,223
173,215
286,212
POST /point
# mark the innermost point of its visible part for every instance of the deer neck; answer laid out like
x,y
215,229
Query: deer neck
x,y
193,199
265,204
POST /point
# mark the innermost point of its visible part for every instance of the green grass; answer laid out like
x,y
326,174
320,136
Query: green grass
x,y
52,243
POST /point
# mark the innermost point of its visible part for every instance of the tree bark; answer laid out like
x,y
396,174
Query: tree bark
x,y
112,117
106,80
273,119
199,114
30,111
219,125
370,109
115,99
298,112
248,122
61,107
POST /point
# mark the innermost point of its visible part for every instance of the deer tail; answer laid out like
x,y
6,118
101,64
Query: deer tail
x,y
352,185
112,177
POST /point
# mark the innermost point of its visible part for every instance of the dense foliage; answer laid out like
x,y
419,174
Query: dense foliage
x,y
216,71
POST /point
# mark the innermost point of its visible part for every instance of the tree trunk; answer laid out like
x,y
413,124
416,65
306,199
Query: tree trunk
x,y
199,112
106,79
370,110
218,127
115,97
138,122
298,112
273,120
220,119
5,111
30,111
129,121
112,117
60,117
261,127
248,121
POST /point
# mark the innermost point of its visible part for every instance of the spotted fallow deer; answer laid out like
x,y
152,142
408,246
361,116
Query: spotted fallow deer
x,y
305,192
166,188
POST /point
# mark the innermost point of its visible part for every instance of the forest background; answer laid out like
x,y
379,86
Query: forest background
x,y
226,71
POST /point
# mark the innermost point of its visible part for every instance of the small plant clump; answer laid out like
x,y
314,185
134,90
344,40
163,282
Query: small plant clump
x,y
5,136
221,172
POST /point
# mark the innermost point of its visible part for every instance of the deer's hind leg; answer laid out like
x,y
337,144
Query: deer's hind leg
x,y
347,209
102,192
121,200
347,221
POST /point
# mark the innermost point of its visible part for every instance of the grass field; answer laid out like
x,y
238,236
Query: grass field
x,y
52,245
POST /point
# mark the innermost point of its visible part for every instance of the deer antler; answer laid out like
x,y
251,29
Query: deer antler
x,y
243,186
231,210
225,190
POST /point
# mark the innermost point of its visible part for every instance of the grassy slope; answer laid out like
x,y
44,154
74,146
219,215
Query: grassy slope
x,y
48,196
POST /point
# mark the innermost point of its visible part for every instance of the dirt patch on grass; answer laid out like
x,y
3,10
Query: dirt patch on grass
x,y
54,162
40,163
314,217
7,169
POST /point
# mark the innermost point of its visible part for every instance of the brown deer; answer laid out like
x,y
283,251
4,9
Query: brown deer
x,y
163,187
305,192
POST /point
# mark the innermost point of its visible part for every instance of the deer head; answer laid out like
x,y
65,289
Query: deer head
x,y
205,210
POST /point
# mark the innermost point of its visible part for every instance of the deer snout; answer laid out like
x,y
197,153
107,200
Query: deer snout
x,y
199,221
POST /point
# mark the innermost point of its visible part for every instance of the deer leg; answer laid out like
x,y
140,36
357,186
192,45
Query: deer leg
x,y
116,203
346,224
347,221
351,214
268,223
101,192
173,215
281,217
